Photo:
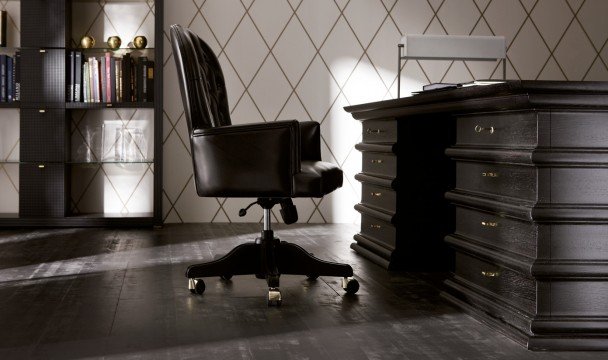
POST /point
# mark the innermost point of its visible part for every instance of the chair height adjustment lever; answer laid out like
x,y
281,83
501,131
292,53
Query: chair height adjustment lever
x,y
243,212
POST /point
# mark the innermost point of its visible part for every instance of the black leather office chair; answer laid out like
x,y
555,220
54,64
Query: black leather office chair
x,y
273,162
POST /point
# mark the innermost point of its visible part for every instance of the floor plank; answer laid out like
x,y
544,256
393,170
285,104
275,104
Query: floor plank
x,y
121,293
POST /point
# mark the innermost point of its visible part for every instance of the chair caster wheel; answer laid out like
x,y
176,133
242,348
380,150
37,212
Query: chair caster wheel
x,y
274,297
226,277
312,277
350,285
196,286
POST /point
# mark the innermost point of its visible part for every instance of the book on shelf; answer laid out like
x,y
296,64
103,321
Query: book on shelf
x,y
118,69
132,82
102,78
447,86
112,80
141,75
17,77
69,78
3,78
86,88
107,73
77,76
126,78
94,76
9,79
89,66
150,81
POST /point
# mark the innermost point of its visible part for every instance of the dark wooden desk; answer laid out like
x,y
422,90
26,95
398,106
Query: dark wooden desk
x,y
507,187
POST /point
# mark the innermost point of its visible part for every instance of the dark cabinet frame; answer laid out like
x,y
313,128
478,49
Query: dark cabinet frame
x,y
44,165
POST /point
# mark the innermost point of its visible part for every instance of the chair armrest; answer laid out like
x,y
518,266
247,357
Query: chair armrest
x,y
310,135
249,160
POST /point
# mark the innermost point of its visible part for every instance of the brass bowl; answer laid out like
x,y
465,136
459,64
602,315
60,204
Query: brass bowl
x,y
140,42
114,42
87,42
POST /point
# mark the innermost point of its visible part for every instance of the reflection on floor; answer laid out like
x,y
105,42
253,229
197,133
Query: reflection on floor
x,y
121,293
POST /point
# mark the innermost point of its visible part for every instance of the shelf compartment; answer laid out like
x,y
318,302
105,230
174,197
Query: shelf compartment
x,y
9,187
111,188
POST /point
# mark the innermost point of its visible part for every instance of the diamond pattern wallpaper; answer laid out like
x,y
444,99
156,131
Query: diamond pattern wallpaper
x,y
112,188
306,60
9,123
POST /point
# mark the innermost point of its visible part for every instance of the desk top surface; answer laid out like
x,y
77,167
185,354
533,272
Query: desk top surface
x,y
510,95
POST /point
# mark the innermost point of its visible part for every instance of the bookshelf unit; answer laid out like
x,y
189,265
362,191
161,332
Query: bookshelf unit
x,y
59,170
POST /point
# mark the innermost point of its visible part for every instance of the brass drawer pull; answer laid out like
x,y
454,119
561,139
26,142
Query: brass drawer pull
x,y
375,226
373,131
489,174
42,51
378,194
377,161
42,111
489,223
490,273
41,166
479,129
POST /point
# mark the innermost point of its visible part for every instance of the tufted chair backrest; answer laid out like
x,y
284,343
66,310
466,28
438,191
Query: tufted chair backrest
x,y
201,81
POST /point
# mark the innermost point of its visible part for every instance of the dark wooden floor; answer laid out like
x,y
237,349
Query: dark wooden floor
x,y
107,293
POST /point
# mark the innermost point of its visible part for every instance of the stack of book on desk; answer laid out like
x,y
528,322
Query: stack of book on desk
x,y
446,86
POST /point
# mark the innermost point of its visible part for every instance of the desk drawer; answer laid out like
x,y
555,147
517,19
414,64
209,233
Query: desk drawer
x,y
380,164
515,129
509,285
499,232
379,197
584,129
381,231
380,131
498,179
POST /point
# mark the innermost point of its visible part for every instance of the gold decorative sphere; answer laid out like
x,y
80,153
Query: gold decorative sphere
x,y
140,42
87,42
114,42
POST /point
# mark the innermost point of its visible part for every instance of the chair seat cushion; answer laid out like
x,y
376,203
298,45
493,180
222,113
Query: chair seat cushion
x,y
317,178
